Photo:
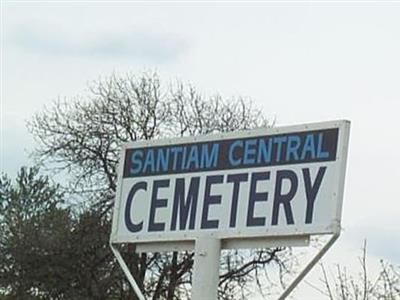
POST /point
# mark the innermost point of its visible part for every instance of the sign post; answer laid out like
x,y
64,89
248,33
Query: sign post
x,y
266,187
206,268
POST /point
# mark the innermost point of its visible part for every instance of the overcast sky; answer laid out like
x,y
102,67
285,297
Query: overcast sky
x,y
301,62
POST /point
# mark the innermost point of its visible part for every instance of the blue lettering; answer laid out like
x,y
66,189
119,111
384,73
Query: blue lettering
x,y
232,160
183,160
264,151
149,162
279,141
136,159
320,152
309,147
193,159
209,159
293,147
162,160
175,151
249,151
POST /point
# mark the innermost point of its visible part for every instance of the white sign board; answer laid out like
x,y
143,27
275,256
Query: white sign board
x,y
268,182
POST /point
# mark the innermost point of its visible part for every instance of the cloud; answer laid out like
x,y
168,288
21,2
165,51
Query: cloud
x,y
16,143
149,46
382,237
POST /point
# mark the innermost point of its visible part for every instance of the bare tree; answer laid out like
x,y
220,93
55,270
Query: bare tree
x,y
344,286
82,138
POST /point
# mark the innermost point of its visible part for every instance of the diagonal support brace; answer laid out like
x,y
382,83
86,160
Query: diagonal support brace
x,y
308,267
128,273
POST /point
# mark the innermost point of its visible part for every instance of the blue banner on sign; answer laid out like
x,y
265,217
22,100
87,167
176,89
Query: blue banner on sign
x,y
259,151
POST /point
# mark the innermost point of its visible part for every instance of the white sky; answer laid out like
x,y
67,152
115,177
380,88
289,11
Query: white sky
x,y
301,62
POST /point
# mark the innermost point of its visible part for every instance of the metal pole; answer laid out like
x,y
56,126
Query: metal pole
x,y
308,267
128,273
206,269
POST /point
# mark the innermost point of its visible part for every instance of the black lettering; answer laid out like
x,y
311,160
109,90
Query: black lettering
x,y
210,200
284,199
255,197
157,203
184,206
132,227
312,190
236,179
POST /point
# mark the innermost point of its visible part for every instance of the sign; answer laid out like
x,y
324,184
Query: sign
x,y
282,181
